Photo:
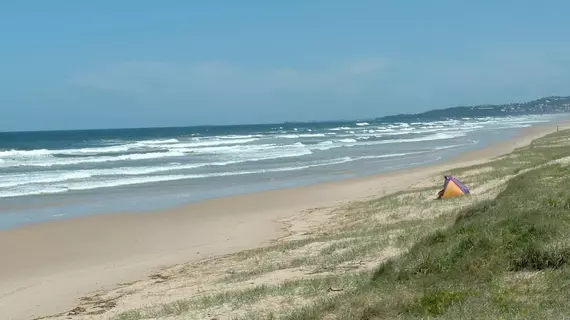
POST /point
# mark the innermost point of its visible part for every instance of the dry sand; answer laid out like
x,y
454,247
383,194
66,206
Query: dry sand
x,y
47,267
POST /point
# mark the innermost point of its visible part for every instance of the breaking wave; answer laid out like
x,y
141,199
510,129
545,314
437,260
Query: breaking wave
x,y
84,164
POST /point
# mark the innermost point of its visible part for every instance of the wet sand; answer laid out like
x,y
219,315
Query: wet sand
x,y
48,266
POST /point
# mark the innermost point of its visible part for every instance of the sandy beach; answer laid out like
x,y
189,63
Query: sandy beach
x,y
47,267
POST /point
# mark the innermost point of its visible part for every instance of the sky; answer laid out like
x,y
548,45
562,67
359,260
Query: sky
x,y
139,63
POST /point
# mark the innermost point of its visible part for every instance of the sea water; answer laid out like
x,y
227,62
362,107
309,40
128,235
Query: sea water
x,y
60,174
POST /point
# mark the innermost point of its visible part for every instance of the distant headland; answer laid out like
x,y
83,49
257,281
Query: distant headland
x,y
546,105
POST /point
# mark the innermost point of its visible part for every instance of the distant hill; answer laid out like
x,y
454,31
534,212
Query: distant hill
x,y
547,105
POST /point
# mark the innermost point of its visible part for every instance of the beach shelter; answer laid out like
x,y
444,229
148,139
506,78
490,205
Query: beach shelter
x,y
452,188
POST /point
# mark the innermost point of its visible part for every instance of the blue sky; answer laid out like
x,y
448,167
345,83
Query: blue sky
x,y
101,64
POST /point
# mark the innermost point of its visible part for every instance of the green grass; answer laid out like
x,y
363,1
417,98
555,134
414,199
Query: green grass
x,y
505,258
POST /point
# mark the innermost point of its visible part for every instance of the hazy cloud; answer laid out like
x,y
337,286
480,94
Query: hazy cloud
x,y
210,77
353,88
365,66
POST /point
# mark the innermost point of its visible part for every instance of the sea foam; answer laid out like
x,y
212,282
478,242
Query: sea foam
x,y
113,161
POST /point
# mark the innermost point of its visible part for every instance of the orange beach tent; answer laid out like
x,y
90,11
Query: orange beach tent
x,y
452,188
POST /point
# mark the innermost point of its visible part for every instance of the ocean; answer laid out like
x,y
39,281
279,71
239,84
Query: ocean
x,y
59,174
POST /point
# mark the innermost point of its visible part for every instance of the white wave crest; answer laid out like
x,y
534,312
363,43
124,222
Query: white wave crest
x,y
300,136
210,143
389,155
437,136
231,152
164,141
116,181
24,153
340,128
50,162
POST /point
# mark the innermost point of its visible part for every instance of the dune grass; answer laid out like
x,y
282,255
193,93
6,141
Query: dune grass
x,y
503,258
506,258
501,253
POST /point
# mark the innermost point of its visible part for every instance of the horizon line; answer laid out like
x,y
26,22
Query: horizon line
x,y
276,123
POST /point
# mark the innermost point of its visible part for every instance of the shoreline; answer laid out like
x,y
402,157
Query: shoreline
x,y
58,188
96,252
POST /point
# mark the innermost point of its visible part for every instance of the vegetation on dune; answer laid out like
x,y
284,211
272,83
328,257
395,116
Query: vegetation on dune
x,y
502,252
506,257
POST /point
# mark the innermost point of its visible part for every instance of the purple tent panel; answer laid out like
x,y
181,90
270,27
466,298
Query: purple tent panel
x,y
457,182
